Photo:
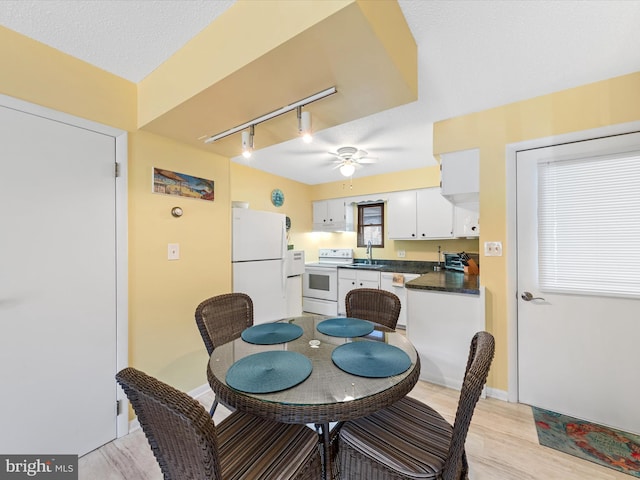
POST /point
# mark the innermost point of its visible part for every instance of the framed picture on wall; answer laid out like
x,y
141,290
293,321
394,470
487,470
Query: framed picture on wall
x,y
167,182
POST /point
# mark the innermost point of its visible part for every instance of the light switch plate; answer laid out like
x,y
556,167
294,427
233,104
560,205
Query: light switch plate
x,y
173,252
492,249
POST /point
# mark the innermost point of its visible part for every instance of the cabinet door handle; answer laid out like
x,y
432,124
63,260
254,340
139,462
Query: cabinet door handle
x,y
353,283
413,234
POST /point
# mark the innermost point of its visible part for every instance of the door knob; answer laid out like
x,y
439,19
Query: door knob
x,y
527,297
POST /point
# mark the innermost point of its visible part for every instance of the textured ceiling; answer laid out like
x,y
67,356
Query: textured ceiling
x,y
472,55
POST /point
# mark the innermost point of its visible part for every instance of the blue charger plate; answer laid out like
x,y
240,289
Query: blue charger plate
x,y
271,333
371,359
268,372
345,327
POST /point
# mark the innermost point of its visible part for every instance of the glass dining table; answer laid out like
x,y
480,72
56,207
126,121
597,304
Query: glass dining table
x,y
327,393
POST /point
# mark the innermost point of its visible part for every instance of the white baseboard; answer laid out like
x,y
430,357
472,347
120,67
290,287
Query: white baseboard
x,y
199,391
498,394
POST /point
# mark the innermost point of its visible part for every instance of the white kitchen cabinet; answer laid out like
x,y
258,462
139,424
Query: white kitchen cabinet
x,y
387,283
441,325
419,215
351,278
460,175
466,221
334,215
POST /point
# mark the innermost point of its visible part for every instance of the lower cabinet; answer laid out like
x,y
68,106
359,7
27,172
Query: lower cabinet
x,y
387,283
349,279
441,325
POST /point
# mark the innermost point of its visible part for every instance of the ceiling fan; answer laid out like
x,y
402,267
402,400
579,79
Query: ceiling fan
x,y
348,159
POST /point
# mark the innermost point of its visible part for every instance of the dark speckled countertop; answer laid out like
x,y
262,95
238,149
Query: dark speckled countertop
x,y
447,281
443,280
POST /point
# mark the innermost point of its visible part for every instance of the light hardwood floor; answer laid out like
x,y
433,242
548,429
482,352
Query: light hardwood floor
x,y
501,445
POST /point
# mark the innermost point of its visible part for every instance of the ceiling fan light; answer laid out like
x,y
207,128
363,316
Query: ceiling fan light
x,y
347,169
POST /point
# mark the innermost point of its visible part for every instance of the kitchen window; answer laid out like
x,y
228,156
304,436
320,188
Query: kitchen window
x,y
371,224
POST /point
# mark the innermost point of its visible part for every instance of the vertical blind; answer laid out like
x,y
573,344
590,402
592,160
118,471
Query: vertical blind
x,y
589,225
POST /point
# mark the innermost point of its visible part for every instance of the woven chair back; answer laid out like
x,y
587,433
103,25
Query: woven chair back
x,y
222,318
480,357
179,430
378,306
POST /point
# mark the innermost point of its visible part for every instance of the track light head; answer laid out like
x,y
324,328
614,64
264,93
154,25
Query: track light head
x,y
247,142
304,126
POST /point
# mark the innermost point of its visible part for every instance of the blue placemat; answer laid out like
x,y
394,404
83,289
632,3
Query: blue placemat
x,y
267,372
371,359
345,327
271,333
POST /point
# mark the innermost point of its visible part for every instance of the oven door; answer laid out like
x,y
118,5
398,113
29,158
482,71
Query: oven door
x,y
320,282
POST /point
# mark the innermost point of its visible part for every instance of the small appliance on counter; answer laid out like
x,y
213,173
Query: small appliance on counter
x,y
462,262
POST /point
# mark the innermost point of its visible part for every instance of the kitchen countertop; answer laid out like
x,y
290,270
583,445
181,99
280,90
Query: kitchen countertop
x,y
442,281
447,281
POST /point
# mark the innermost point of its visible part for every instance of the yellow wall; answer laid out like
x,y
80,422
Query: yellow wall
x,y
33,72
163,294
595,105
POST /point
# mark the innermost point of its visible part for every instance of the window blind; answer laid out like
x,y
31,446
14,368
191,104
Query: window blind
x,y
589,225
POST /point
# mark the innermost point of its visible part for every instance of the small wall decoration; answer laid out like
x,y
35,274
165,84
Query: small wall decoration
x,y
277,197
182,185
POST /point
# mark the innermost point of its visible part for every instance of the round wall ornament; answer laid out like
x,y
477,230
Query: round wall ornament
x,y
277,197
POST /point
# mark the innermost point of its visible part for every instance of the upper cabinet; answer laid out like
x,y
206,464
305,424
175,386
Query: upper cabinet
x,y
460,176
419,215
466,220
333,216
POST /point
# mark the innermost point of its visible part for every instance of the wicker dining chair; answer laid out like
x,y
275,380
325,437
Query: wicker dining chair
x,y
375,305
410,440
221,319
189,446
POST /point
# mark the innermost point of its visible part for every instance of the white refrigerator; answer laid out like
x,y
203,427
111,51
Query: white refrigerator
x,y
258,252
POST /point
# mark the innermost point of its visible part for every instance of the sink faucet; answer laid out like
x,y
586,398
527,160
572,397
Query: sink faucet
x,y
369,252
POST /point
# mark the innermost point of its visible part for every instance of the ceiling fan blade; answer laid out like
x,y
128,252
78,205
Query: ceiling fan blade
x,y
368,160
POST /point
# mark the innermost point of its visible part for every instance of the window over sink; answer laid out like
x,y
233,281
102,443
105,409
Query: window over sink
x,y
371,224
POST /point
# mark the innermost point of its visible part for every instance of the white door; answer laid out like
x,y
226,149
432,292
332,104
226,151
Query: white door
x,y
578,345
57,286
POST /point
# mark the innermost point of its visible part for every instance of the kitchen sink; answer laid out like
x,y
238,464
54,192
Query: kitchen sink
x,y
366,266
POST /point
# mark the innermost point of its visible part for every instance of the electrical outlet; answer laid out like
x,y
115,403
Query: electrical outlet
x,y
173,251
401,253
492,249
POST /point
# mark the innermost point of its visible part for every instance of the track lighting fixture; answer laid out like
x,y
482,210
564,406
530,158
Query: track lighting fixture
x,y
304,122
247,142
304,125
